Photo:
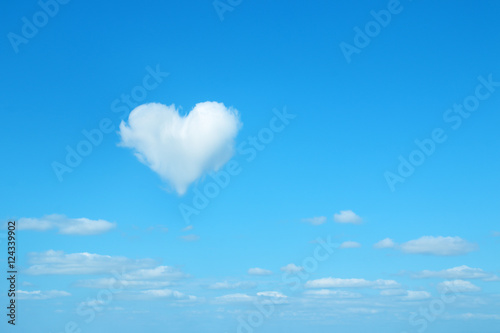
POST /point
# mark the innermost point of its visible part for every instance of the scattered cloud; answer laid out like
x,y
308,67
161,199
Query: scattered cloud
x,y
58,262
460,272
315,220
259,271
112,283
351,283
416,295
39,295
166,293
190,238
440,246
234,285
347,216
327,293
235,298
291,268
458,286
350,245
430,245
66,225
181,148
386,243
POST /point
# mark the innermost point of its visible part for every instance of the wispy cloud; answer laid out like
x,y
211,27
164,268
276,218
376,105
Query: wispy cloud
x,y
349,245
40,295
351,283
259,271
459,272
315,220
58,262
430,245
66,225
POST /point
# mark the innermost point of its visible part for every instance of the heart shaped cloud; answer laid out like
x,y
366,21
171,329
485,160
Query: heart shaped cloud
x,y
181,148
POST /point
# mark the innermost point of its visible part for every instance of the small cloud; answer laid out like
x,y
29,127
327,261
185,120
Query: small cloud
x,y
65,225
347,216
291,268
351,283
315,220
259,271
165,293
234,285
350,245
457,286
416,295
190,238
189,227
327,293
386,243
459,272
439,246
430,245
40,295
235,298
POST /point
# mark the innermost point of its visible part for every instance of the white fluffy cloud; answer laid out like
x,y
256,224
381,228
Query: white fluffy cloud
x,y
439,246
460,272
457,286
181,148
351,283
259,271
291,268
318,220
386,243
350,245
65,225
58,262
38,295
347,216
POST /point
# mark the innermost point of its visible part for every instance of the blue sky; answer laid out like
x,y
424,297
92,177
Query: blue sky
x,y
310,143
